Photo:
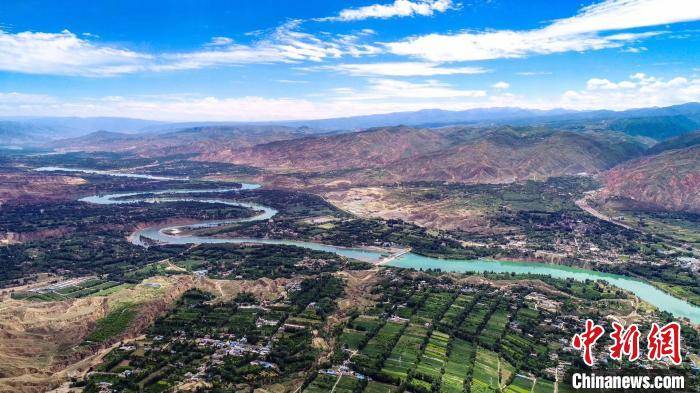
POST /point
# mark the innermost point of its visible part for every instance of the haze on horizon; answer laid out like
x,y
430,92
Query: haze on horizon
x,y
266,61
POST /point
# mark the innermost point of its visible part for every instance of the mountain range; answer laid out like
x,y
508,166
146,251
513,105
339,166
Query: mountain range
x,y
195,140
649,156
656,123
461,154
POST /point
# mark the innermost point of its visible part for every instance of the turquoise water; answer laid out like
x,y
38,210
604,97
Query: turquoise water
x,y
169,235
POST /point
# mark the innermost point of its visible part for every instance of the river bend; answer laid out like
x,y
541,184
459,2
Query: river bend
x,y
173,234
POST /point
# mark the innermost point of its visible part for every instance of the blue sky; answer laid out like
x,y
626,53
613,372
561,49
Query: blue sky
x,y
274,60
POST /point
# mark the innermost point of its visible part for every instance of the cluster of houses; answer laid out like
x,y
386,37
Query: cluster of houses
x,y
232,347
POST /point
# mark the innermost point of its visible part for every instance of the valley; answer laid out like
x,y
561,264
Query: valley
x,y
265,266
359,196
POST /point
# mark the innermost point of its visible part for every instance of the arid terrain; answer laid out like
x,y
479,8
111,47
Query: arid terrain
x,y
89,303
668,181
23,186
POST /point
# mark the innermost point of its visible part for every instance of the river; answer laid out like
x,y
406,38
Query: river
x,y
169,234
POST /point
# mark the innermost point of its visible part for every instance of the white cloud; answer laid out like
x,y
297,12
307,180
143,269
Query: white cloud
x,y
505,44
533,73
287,44
23,98
399,8
65,53
634,49
578,33
627,14
640,90
249,108
400,69
604,84
388,89
501,85
220,41
291,81
380,96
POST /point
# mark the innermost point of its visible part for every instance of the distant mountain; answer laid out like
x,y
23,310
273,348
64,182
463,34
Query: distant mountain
x,y
669,181
10,135
679,142
43,129
655,123
195,140
428,117
464,154
657,127
98,140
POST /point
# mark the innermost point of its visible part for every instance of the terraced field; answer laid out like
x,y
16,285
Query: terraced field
x,y
434,306
433,358
459,364
378,387
490,372
374,352
472,324
324,383
520,384
406,352
461,304
358,331
449,343
492,332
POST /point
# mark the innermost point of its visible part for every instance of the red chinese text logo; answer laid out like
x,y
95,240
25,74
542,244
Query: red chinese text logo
x,y
626,342
662,342
585,340
665,342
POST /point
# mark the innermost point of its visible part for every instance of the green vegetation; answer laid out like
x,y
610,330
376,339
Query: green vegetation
x,y
295,208
425,333
405,353
227,343
377,349
321,384
433,358
494,328
490,372
421,332
256,261
551,195
378,387
458,367
324,383
113,324
520,385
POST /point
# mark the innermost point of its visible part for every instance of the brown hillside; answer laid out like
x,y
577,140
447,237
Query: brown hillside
x,y
367,149
669,181
451,154
507,157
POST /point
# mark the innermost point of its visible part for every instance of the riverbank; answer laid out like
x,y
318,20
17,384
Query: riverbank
x,y
643,290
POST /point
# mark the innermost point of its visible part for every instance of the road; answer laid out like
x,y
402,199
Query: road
x,y
583,203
